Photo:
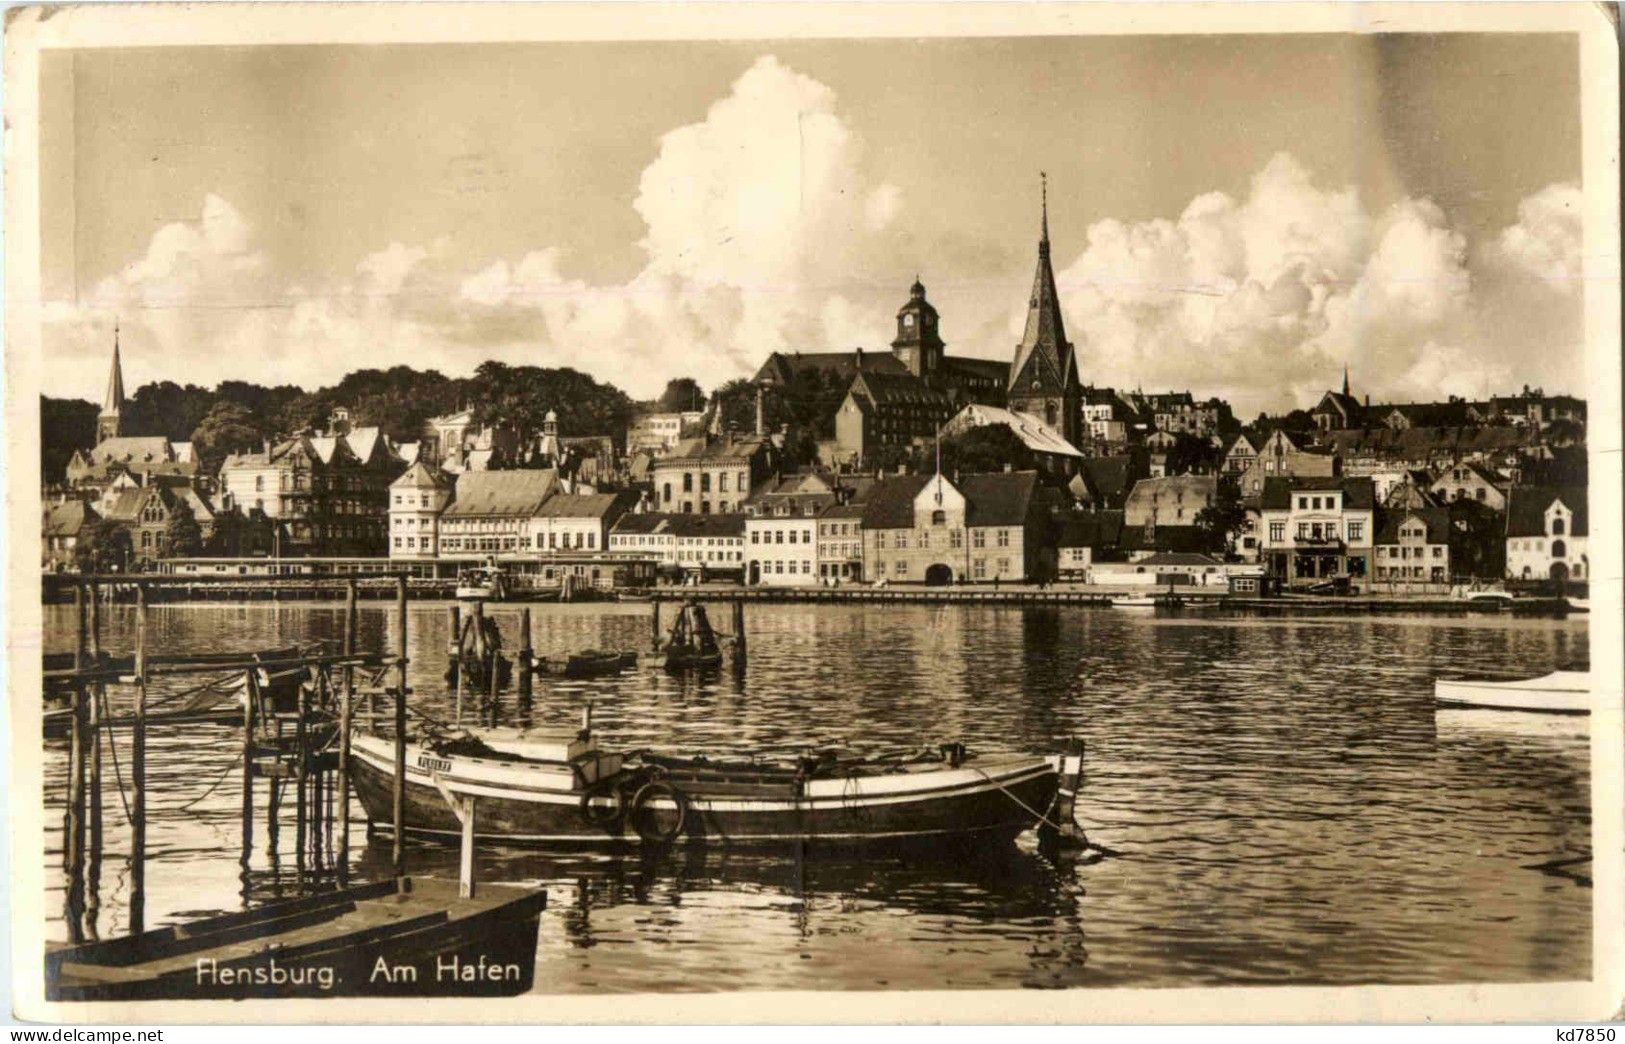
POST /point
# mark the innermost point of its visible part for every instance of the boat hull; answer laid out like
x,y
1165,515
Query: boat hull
x,y
992,801
1561,692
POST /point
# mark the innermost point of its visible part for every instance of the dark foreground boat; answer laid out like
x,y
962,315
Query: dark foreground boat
x,y
562,790
413,937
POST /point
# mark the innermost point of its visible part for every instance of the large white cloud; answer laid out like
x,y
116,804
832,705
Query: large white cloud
x,y
764,230
1263,301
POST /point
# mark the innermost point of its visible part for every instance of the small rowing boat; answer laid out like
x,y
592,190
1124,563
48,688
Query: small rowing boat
x,y
1134,601
585,664
562,789
1560,692
426,939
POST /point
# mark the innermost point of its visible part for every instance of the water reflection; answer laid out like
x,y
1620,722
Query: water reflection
x,y
1281,800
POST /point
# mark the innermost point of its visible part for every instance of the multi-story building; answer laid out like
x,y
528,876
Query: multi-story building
x,y
1240,454
146,512
985,527
714,475
1547,531
1174,500
65,524
576,521
490,512
781,550
1468,481
1104,416
699,546
1412,546
1314,529
1051,451
659,433
1283,456
416,500
888,410
840,542
328,495
646,533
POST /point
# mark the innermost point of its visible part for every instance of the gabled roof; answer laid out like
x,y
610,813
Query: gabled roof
x,y
999,498
69,518
688,451
364,442
1109,478
1034,433
582,505
1358,493
1436,519
786,366
422,476
1526,510
698,526
1179,558
132,449
1097,529
640,523
887,389
890,504
507,493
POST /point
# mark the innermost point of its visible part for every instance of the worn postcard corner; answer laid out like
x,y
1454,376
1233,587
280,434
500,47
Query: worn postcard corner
x,y
578,518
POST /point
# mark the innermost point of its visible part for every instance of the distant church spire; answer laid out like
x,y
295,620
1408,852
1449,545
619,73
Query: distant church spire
x,y
1044,374
110,423
1345,380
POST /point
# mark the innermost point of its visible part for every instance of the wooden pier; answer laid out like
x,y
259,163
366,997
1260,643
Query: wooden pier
x,y
295,710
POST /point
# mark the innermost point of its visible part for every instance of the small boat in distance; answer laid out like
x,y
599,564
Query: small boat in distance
x,y
323,945
1560,692
1578,605
1134,601
487,583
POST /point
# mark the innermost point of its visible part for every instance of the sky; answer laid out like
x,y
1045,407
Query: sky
x,y
1239,216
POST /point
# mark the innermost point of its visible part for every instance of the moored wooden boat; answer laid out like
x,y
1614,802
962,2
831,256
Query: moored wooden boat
x,y
1134,601
1560,692
585,664
564,790
358,941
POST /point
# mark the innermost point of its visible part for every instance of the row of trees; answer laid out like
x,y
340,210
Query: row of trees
x,y
237,416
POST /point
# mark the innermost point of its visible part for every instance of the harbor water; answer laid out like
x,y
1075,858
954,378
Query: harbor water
x,y
1277,799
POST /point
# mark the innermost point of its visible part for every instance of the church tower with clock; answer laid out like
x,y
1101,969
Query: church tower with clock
x,y
918,345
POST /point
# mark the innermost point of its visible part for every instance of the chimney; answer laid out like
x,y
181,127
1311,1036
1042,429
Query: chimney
x,y
860,362
761,419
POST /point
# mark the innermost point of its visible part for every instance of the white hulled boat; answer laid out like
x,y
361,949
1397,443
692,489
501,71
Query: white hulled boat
x,y
1560,692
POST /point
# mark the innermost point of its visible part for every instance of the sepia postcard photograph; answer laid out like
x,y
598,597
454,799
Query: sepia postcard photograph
x,y
813,513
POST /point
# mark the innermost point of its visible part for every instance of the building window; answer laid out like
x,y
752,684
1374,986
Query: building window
x,y
1277,532
956,538
1004,538
1356,530
1557,526
978,538
902,567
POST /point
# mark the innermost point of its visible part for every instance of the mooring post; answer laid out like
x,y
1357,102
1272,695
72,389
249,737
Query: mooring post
x,y
459,667
346,701
250,697
654,625
526,654
75,823
739,632
399,818
93,869
301,765
138,772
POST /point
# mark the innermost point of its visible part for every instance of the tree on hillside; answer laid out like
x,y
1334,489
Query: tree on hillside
x,y
168,409
65,425
1477,540
229,427
183,536
1225,517
104,547
682,393
1190,454
299,413
987,448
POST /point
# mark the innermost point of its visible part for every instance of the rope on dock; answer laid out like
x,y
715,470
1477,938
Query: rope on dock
x,y
112,745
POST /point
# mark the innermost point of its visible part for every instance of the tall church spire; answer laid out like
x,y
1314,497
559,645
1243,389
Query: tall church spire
x,y
110,423
1044,375
1345,380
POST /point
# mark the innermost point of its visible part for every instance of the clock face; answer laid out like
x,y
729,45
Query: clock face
x,y
908,320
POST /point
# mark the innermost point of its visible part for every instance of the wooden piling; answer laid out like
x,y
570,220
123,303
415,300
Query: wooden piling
x,y
301,780
654,627
74,824
739,632
399,818
250,697
93,868
526,654
346,699
138,772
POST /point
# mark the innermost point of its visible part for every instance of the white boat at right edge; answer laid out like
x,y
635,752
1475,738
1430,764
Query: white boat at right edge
x,y
1560,692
